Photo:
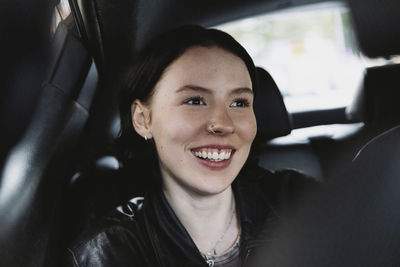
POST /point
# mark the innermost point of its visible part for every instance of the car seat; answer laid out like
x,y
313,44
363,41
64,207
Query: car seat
x,y
273,121
38,166
376,105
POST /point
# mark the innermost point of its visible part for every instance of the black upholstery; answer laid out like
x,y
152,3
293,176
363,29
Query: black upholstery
x,y
273,120
353,220
378,103
325,156
24,34
299,156
38,167
24,43
376,24
108,28
376,106
382,95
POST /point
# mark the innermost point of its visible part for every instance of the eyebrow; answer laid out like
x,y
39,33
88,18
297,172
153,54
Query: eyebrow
x,y
196,88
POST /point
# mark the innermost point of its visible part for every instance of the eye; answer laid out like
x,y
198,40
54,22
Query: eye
x,y
240,103
197,100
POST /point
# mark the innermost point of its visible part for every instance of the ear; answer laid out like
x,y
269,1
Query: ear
x,y
140,115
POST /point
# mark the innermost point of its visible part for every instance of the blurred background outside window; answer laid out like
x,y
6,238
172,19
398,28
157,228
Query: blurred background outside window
x,y
311,52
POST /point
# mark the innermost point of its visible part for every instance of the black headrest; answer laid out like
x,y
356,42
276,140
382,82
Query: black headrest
x,y
273,120
379,100
377,26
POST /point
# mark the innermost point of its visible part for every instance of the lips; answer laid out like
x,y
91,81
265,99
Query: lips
x,y
214,157
213,154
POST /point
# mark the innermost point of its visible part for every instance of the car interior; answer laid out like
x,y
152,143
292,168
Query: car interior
x,y
59,117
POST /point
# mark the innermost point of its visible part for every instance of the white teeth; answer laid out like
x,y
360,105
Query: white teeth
x,y
214,154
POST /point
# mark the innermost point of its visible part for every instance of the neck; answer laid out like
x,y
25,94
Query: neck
x,y
204,206
207,218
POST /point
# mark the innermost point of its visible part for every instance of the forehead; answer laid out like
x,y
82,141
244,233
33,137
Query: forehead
x,y
210,67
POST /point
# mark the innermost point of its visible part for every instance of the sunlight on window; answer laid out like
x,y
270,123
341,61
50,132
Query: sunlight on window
x,y
310,51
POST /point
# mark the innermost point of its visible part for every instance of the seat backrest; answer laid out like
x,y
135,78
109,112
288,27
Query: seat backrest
x,y
37,169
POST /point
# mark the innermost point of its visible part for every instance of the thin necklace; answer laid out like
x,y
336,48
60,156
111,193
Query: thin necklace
x,y
213,251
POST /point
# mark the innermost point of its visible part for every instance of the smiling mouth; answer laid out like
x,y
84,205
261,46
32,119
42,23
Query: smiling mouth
x,y
213,154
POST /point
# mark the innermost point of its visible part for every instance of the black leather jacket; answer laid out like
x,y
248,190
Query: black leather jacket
x,y
146,232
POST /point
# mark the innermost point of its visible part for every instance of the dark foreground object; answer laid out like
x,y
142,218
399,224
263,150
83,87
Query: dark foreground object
x,y
352,222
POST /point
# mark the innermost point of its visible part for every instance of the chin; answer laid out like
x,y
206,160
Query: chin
x,y
214,186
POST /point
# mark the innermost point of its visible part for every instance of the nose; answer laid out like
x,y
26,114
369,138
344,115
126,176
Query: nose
x,y
220,123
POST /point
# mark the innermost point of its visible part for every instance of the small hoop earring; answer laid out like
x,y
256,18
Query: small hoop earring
x,y
145,138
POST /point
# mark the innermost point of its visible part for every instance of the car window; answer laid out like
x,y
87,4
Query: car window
x,y
311,52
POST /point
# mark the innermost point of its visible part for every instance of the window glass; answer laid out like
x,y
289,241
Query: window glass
x,y
310,52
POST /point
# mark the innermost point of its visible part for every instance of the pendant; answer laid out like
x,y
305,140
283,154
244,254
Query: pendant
x,y
210,263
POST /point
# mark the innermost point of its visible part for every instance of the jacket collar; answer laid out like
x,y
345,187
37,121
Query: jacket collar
x,y
171,239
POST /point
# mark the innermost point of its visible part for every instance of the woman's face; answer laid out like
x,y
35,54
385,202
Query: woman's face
x,y
202,120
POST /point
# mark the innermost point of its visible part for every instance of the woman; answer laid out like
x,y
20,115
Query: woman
x,y
189,103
